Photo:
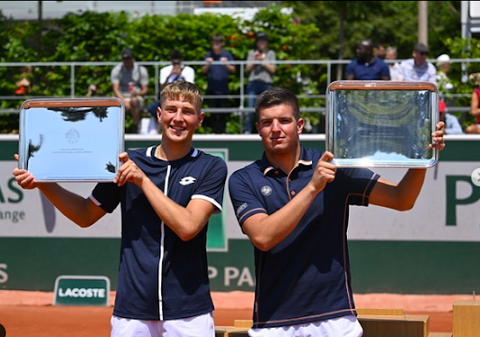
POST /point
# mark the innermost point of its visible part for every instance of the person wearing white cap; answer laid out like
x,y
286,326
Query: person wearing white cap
x,y
443,67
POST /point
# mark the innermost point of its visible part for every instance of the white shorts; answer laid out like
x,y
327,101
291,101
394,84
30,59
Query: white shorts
x,y
346,326
185,327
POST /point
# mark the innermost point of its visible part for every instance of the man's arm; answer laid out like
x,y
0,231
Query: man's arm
x,y
114,78
116,90
189,74
432,73
230,67
266,231
186,222
80,210
118,93
385,75
402,196
401,71
350,71
250,59
206,67
144,90
143,81
164,73
269,57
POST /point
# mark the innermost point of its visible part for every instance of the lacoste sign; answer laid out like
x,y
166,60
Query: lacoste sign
x,y
82,290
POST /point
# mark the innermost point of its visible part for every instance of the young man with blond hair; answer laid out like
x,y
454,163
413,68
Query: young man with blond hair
x,y
167,194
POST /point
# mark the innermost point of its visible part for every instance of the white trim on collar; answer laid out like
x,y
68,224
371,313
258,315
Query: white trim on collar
x,y
149,150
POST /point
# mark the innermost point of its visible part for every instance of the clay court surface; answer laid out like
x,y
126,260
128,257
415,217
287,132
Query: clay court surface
x,y
26,314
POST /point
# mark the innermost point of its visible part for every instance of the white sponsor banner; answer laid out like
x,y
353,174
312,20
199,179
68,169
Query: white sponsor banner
x,y
427,221
28,214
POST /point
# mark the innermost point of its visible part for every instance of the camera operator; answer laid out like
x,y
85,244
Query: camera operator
x,y
177,71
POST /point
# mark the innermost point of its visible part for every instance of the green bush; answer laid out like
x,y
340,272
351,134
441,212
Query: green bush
x,y
94,37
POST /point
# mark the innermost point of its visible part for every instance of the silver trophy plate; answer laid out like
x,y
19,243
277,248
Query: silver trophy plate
x,y
71,140
381,123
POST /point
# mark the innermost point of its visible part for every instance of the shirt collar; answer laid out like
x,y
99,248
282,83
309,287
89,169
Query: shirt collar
x,y
305,160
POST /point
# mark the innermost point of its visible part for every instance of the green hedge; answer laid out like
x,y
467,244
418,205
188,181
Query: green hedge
x,y
95,37
92,36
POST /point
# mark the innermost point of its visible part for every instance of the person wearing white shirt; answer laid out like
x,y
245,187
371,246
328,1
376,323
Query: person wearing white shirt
x,y
177,71
418,68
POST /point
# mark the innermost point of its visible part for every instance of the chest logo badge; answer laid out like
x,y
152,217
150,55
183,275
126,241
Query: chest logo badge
x,y
266,190
187,180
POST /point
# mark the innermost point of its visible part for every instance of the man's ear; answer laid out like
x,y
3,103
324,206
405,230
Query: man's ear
x,y
159,114
300,125
201,117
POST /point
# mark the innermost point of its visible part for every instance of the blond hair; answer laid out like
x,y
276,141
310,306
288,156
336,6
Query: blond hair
x,y
181,90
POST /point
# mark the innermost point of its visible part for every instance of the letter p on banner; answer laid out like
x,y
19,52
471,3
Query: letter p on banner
x,y
82,290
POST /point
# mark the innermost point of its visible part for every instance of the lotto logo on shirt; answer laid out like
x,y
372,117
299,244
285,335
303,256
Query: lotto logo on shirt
x,y
187,180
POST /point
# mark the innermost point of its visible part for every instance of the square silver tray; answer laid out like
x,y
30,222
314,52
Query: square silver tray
x,y
381,123
71,140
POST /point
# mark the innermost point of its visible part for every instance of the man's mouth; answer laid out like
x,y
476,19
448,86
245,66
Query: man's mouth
x,y
178,128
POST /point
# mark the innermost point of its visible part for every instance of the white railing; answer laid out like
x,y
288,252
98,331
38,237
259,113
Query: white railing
x,y
157,65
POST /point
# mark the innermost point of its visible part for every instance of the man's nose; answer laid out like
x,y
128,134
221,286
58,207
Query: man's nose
x,y
275,125
178,115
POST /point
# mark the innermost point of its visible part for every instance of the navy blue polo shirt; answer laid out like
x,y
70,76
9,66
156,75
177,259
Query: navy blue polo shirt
x,y
217,76
162,277
306,277
374,70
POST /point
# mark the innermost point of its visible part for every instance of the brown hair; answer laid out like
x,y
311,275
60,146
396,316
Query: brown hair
x,y
218,38
277,96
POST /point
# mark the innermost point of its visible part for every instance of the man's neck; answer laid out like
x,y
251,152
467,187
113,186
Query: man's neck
x,y
285,161
418,64
171,151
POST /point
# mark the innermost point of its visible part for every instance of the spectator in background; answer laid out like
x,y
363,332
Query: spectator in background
x,y
176,71
260,74
24,84
475,105
92,90
379,51
366,66
452,125
393,66
217,81
443,68
130,84
418,68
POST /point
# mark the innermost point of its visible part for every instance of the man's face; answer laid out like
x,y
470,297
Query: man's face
x,y
364,51
391,55
217,47
128,62
420,57
179,120
262,44
279,129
